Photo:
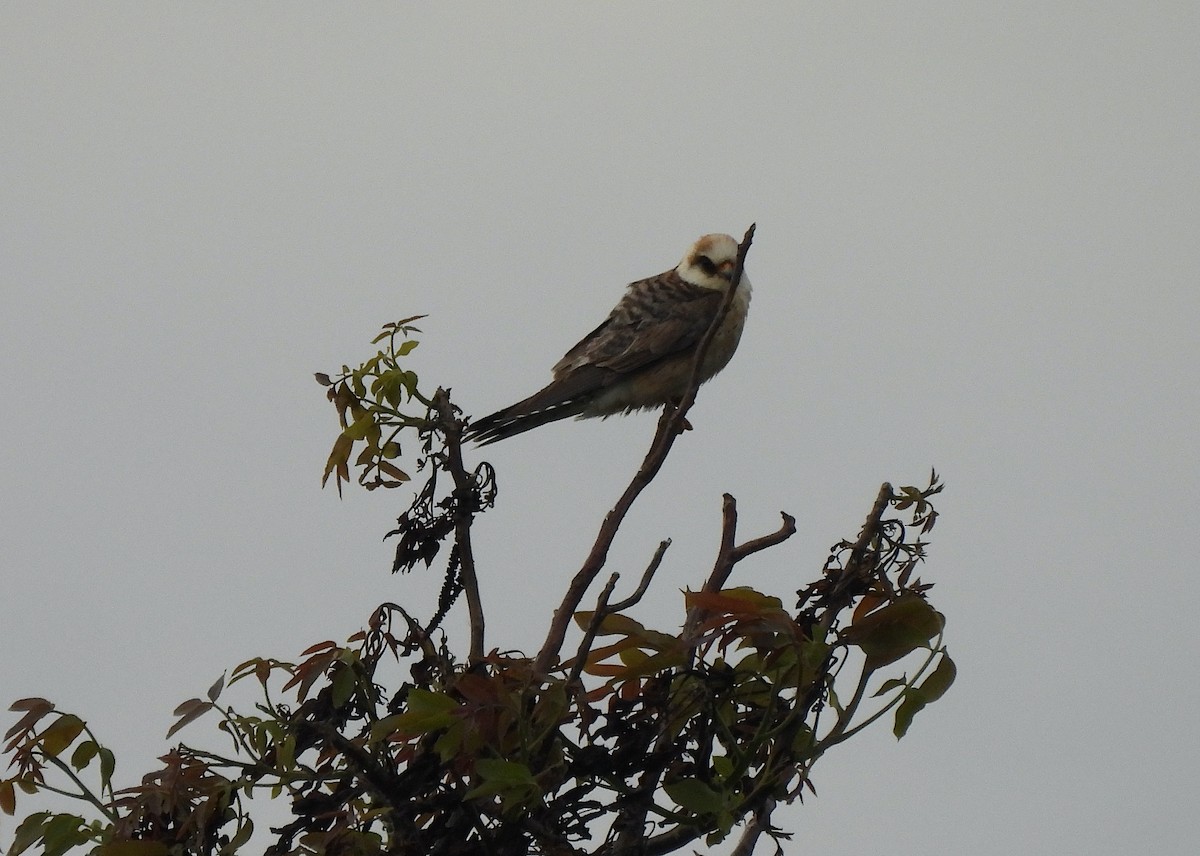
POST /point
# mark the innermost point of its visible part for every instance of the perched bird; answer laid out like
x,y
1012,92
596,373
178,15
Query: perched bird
x,y
641,356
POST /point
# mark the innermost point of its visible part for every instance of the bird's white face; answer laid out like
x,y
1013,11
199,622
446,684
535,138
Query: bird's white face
x,y
710,262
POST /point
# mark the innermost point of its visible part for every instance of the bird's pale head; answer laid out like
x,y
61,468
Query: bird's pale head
x,y
710,262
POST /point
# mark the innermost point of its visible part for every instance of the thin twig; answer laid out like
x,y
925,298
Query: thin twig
x,y
593,628
669,425
605,609
647,576
787,530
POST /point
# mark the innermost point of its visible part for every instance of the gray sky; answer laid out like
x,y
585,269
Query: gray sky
x,y
977,250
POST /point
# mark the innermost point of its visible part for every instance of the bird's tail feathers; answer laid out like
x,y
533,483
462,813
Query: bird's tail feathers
x,y
563,397
517,420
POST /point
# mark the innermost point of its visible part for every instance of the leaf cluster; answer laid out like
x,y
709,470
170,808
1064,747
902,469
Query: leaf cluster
x,y
369,401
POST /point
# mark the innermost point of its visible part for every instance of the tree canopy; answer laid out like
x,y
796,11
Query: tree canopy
x,y
629,739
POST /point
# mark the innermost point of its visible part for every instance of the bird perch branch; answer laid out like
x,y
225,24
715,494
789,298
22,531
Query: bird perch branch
x,y
669,426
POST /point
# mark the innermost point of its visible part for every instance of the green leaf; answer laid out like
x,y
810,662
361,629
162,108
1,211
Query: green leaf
x,y
935,686
509,780
409,381
910,707
425,711
832,698
84,753
889,685
695,796
343,685
931,689
241,836
449,742
361,427
894,631
285,753
61,734
723,765
108,763
384,728
406,348
339,457
61,833
28,832
8,797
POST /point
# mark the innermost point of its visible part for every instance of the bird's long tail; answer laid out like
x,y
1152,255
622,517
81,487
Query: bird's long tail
x,y
518,419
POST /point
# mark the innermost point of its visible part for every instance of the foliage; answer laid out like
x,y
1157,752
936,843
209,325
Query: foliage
x,y
641,740
371,415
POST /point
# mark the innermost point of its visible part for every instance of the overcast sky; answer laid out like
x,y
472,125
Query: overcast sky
x,y
978,250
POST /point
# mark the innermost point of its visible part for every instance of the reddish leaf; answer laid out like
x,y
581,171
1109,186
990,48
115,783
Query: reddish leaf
x,y
393,471
189,711
35,709
868,604
32,703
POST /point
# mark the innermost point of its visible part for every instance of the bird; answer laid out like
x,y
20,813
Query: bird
x,y
640,357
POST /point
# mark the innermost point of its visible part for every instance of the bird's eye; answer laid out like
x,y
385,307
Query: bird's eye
x,y
706,264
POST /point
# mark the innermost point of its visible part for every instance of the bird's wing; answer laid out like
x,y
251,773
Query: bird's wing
x,y
656,318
